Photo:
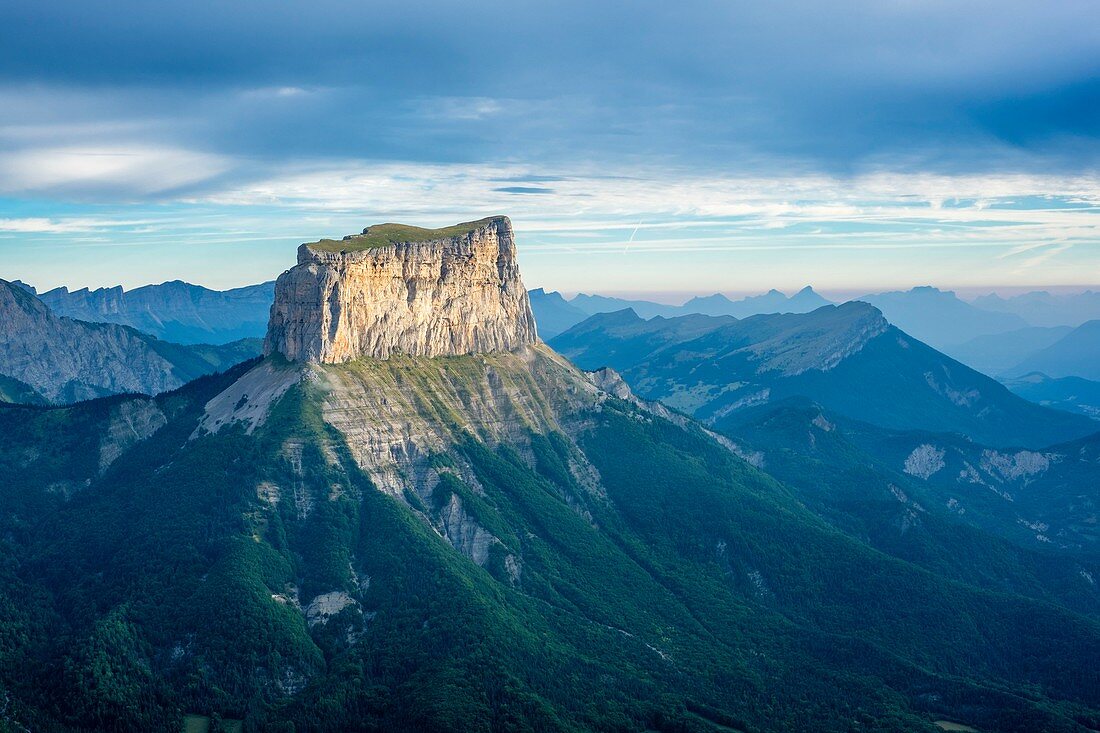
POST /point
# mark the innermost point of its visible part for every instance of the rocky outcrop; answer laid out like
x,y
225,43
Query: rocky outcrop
x,y
395,414
130,423
401,290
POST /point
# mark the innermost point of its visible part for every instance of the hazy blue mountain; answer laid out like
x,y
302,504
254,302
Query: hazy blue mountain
x,y
773,301
939,318
66,360
712,305
592,304
1041,308
1077,354
1072,394
553,313
623,338
998,353
173,311
848,358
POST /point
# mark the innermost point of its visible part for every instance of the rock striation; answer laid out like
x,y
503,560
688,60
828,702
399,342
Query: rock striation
x,y
397,289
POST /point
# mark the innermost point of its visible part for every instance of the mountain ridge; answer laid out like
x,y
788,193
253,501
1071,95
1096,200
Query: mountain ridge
x,y
172,311
891,379
67,360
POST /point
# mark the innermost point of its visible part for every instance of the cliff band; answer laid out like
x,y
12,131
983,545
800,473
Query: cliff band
x,y
396,289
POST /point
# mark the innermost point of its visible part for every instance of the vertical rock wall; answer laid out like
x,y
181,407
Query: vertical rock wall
x,y
452,295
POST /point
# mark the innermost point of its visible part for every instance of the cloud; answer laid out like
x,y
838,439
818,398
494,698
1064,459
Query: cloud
x,y
523,189
43,225
738,128
791,86
119,171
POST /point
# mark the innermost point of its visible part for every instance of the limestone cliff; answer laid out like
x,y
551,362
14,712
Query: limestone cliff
x,y
397,289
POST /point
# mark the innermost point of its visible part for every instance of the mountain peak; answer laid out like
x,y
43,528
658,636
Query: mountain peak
x,y
398,289
20,284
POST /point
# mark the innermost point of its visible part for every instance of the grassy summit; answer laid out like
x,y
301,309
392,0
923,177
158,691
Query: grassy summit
x,y
384,235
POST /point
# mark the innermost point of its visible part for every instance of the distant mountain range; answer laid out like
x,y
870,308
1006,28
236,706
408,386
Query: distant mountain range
x,y
991,334
1077,354
555,314
1001,353
1041,308
847,358
939,318
173,311
773,301
49,358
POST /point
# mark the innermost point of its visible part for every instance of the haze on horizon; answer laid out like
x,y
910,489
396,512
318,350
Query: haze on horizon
x,y
711,146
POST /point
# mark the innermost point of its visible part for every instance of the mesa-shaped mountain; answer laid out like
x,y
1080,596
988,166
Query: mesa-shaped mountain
x,y
327,545
173,311
847,358
396,289
486,541
57,359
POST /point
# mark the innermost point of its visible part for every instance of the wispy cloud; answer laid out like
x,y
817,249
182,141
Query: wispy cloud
x,y
117,170
43,225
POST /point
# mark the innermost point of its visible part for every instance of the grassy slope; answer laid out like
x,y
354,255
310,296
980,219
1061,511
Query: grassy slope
x,y
14,391
385,235
867,497
698,594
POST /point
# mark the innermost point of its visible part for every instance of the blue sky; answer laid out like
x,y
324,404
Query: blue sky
x,y
638,147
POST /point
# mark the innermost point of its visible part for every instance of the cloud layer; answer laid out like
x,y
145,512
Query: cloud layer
x,y
705,127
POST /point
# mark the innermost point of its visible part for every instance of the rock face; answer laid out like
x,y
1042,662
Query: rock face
x,y
402,290
63,360
174,311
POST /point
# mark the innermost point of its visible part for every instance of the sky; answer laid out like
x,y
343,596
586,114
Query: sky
x,y
641,147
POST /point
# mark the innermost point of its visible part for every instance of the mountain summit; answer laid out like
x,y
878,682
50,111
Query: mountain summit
x,y
401,289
